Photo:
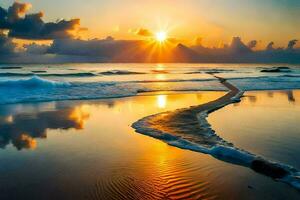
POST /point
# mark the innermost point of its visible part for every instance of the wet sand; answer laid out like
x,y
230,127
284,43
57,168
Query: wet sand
x,y
88,150
188,129
185,122
268,124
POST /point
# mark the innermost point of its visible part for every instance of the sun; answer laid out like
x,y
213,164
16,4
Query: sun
x,y
161,36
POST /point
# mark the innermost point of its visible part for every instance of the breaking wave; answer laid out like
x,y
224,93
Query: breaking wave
x,y
34,82
40,88
42,73
119,72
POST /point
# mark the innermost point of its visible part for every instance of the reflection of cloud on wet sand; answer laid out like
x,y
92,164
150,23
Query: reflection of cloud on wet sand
x,y
24,141
79,115
22,129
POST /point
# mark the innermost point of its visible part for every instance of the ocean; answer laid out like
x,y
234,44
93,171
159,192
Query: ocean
x,y
35,83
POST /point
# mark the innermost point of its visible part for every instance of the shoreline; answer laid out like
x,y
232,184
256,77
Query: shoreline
x,y
144,93
188,129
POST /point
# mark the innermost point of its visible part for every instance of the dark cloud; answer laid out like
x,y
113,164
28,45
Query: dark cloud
x,y
3,19
252,44
32,27
16,10
270,46
7,46
237,51
106,49
34,48
111,50
291,44
237,46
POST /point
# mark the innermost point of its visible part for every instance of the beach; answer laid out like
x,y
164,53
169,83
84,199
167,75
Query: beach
x,y
96,154
149,100
69,134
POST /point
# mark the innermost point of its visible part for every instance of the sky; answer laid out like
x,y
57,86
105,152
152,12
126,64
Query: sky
x,y
214,21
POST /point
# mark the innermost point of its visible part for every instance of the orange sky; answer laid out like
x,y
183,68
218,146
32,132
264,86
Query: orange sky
x,y
216,22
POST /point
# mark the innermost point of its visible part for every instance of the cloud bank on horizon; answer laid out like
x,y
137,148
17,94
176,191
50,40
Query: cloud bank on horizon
x,y
16,23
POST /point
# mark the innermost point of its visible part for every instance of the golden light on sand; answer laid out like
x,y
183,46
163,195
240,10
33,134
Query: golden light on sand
x,y
161,36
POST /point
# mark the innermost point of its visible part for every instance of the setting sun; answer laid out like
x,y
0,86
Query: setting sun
x,y
161,36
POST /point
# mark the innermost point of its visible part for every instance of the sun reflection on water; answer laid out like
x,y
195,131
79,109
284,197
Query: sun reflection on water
x,y
161,101
160,77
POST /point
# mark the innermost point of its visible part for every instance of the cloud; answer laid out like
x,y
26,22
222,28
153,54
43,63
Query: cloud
x,y
32,27
252,44
270,46
237,46
16,10
34,48
198,41
291,44
105,48
7,46
238,52
112,50
144,32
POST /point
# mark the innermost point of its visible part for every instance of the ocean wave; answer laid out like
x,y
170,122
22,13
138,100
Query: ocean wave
x,y
120,72
4,74
291,75
173,80
39,71
39,88
12,67
79,74
34,82
282,82
156,71
276,70
42,73
213,71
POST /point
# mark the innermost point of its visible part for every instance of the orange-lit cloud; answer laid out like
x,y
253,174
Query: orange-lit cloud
x,y
16,11
32,27
17,27
144,32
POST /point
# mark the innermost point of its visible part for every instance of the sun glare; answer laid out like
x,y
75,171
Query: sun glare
x,y
161,36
